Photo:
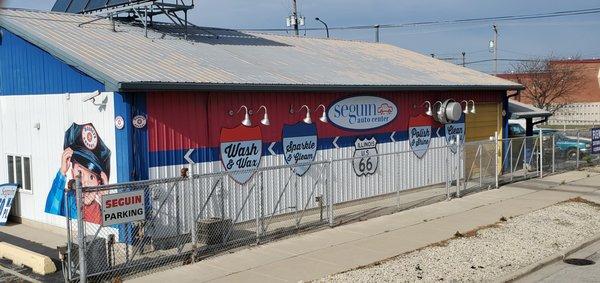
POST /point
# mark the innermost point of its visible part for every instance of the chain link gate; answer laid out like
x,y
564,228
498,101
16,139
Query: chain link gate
x,y
274,202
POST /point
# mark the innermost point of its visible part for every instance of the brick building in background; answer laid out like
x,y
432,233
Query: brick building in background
x,y
585,106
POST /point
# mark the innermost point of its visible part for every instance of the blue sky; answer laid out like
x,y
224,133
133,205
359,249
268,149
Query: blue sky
x,y
561,37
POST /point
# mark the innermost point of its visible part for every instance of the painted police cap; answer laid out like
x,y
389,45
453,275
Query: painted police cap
x,y
88,148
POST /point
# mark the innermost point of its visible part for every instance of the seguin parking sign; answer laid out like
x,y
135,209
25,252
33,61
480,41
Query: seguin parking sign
x,y
123,208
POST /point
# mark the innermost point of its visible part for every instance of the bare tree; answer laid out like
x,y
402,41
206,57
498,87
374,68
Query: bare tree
x,y
549,83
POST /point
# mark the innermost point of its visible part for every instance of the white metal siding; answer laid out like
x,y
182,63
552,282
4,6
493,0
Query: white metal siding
x,y
55,113
398,171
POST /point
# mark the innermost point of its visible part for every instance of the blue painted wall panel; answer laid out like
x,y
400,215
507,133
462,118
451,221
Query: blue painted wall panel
x,y
27,69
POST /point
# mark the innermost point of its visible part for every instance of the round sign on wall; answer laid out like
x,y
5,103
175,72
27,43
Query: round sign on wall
x,y
361,113
119,122
139,121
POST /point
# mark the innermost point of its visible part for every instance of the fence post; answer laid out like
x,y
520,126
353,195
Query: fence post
x,y
512,169
480,150
458,167
541,148
496,158
447,173
191,191
553,153
330,188
257,213
397,179
80,231
262,202
69,248
577,164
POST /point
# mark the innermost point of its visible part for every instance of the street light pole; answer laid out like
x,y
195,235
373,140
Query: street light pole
x,y
326,27
495,49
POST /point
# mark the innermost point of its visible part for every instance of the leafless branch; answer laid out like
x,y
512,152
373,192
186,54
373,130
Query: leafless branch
x,y
549,83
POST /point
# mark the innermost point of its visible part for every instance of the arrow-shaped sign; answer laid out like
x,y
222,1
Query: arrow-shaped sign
x,y
187,156
271,148
392,136
335,142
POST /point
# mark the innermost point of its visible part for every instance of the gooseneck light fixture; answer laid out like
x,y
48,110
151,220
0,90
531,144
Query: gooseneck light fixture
x,y
472,106
466,110
449,110
323,117
428,112
246,122
439,111
306,119
265,120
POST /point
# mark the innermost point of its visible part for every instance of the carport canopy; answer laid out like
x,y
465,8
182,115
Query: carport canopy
x,y
520,110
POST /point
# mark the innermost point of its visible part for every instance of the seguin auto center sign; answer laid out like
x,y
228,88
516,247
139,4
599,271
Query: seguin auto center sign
x,y
362,113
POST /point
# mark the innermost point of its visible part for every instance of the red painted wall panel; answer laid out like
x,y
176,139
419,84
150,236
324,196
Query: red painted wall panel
x,y
176,121
191,120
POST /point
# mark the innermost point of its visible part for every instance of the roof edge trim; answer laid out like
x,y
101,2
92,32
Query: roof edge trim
x,y
176,86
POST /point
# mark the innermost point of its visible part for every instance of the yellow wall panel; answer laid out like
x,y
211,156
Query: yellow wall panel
x,y
483,124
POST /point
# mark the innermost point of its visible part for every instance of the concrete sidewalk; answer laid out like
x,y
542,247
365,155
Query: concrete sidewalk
x,y
314,255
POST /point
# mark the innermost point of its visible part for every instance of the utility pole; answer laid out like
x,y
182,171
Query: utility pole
x,y
295,17
463,58
495,49
376,33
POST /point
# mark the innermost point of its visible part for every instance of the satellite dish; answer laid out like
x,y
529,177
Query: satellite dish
x,y
453,111
449,111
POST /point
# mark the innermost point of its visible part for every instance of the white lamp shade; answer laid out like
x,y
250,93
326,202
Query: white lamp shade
x,y
265,120
246,122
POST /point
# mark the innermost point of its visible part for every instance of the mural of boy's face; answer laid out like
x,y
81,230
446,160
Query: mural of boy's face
x,y
88,179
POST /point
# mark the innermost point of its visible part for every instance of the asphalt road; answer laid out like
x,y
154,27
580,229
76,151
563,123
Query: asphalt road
x,y
563,272
11,273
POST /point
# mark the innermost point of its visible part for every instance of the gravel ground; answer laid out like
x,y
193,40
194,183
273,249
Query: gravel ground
x,y
492,252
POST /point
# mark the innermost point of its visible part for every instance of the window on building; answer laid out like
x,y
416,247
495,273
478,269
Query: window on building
x,y
19,171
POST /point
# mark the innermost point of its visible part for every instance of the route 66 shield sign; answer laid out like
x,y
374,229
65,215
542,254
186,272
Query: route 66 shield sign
x,y
299,146
241,150
419,134
364,163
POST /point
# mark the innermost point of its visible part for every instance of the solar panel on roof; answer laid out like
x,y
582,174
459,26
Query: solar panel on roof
x,y
119,2
80,6
96,5
77,6
61,5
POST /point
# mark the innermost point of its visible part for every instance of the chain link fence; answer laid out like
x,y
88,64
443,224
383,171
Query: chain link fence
x,y
194,216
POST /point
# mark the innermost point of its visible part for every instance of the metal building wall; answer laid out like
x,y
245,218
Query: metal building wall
x,y
55,113
179,122
27,69
36,87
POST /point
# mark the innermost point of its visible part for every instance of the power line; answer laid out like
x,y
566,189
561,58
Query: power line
x,y
455,21
504,59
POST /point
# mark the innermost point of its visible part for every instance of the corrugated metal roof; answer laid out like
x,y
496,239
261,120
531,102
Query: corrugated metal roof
x,y
219,58
520,110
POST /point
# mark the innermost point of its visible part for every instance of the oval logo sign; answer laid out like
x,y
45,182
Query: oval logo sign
x,y
362,113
